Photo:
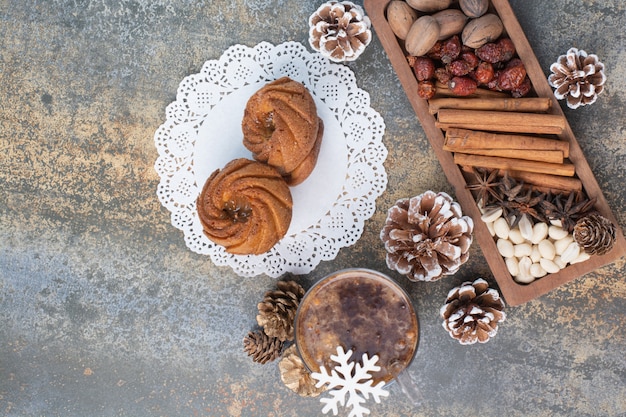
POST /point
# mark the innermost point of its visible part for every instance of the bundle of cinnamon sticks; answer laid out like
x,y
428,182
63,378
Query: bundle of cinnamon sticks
x,y
509,134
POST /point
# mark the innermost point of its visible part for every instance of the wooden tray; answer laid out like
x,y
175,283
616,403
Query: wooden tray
x,y
513,292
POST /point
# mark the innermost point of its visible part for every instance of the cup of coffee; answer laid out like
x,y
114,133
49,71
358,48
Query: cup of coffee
x,y
361,310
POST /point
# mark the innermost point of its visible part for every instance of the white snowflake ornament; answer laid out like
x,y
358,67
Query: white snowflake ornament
x,y
351,379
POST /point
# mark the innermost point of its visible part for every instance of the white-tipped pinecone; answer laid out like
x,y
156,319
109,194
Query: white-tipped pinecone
x,y
339,30
427,236
472,312
577,77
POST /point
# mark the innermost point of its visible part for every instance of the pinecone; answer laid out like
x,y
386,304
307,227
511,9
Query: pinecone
x,y
340,31
277,311
427,236
595,234
577,77
296,376
261,347
472,312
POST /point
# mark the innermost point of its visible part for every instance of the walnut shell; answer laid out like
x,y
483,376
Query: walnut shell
x,y
422,36
474,8
400,17
451,22
481,30
429,6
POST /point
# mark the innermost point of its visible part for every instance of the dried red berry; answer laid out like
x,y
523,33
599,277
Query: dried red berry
x,y
426,89
442,75
490,52
459,68
507,47
523,89
471,58
450,49
462,86
513,75
493,83
483,73
436,51
423,67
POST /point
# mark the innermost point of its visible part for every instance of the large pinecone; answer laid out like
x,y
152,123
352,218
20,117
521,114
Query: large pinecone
x,y
595,234
340,31
277,311
472,312
296,376
261,347
577,77
427,236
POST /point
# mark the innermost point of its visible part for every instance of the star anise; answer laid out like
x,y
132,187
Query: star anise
x,y
507,190
486,185
568,212
526,205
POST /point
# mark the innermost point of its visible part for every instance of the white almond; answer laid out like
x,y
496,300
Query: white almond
x,y
556,223
546,249
501,227
535,255
582,257
492,232
505,248
513,266
524,265
549,266
491,215
523,249
537,271
571,253
562,244
556,232
526,227
557,260
540,232
524,279
516,237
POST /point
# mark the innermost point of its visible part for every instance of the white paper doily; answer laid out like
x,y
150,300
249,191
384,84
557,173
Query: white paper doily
x,y
202,133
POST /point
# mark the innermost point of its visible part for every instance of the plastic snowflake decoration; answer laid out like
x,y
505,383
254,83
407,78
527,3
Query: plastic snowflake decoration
x,y
351,379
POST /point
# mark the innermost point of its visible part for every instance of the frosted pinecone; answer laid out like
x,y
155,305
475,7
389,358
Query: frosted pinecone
x,y
577,77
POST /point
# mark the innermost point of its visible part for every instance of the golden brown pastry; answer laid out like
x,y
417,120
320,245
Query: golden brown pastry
x,y
281,128
245,207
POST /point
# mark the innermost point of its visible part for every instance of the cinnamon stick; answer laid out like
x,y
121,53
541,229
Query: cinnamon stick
x,y
515,122
542,181
524,104
554,157
463,140
511,164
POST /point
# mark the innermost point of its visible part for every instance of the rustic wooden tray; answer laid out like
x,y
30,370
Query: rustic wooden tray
x,y
513,292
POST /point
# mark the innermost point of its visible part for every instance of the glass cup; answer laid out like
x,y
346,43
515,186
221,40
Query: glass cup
x,y
364,311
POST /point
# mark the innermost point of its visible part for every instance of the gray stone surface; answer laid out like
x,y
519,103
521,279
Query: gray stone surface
x,y
105,312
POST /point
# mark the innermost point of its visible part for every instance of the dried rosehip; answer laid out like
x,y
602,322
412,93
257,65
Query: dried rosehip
x,y
442,75
459,68
423,67
483,73
450,49
523,89
426,89
493,84
471,58
513,75
490,52
462,86
436,51
507,47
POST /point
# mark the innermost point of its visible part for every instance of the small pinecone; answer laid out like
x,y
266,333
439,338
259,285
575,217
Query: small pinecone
x,y
296,376
340,31
472,312
277,311
595,234
261,347
427,237
577,77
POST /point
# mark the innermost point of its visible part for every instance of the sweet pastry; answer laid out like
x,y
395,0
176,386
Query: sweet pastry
x,y
281,128
245,207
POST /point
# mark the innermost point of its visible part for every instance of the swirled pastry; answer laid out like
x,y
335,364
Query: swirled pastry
x,y
281,128
245,207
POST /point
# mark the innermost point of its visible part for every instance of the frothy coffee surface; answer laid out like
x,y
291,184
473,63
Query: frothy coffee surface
x,y
358,310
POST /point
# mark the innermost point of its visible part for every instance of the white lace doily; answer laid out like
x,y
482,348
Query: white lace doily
x,y
202,133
